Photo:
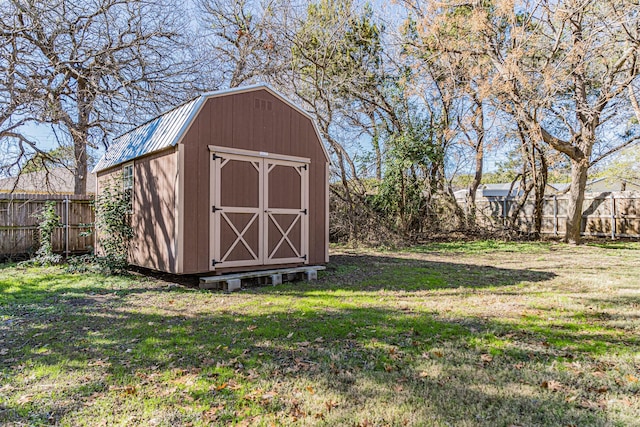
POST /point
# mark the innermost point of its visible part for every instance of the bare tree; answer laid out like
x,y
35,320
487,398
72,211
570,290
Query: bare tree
x,y
342,72
563,70
17,100
335,72
243,39
457,78
88,67
574,63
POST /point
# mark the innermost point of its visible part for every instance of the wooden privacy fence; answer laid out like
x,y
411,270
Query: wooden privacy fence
x,y
19,223
610,214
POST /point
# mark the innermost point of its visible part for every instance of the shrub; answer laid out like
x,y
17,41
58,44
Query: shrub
x,y
113,227
82,264
48,222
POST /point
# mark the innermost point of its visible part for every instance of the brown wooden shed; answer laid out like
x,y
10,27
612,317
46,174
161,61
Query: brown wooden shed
x,y
233,180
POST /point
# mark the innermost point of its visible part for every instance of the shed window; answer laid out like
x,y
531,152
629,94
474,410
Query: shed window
x,y
127,184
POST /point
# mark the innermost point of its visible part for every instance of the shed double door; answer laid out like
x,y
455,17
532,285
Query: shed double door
x,y
259,212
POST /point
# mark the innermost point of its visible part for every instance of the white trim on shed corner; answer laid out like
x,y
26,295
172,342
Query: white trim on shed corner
x,y
182,125
326,213
179,211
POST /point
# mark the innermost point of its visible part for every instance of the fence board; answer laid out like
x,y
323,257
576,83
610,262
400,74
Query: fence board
x,y
604,214
19,223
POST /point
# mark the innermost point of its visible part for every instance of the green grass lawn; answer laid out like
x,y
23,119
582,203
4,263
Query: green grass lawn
x,y
462,334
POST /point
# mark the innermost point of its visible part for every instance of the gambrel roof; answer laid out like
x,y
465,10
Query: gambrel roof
x,y
168,129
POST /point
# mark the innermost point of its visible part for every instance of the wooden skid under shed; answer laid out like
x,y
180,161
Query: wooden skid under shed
x,y
233,282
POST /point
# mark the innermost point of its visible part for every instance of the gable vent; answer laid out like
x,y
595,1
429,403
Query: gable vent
x,y
263,104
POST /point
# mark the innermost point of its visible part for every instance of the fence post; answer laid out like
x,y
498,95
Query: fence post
x,y
555,215
613,217
504,212
66,226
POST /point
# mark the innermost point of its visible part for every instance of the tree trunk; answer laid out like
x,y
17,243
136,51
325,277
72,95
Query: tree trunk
x,y
455,217
540,187
576,198
475,184
80,136
378,153
478,126
80,173
353,220
375,141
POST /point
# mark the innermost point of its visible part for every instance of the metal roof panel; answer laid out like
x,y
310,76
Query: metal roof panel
x,y
157,134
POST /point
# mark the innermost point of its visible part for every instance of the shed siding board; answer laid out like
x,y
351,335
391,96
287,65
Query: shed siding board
x,y
196,175
282,129
234,121
204,204
153,219
190,210
179,220
243,121
316,205
227,119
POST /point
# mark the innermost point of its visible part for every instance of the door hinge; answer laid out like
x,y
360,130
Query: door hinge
x,y
214,262
304,211
304,257
215,157
214,209
303,167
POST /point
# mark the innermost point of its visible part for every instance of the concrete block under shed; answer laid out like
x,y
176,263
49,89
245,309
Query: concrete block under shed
x,y
276,279
232,285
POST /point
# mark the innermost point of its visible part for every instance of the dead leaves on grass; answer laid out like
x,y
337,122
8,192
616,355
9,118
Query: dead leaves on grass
x,y
552,385
293,400
581,398
601,389
485,359
211,414
594,406
24,399
261,397
231,385
127,390
100,362
330,404
269,396
296,412
394,354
